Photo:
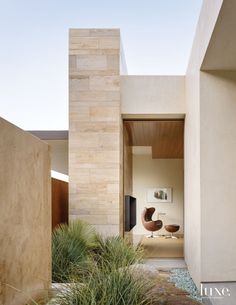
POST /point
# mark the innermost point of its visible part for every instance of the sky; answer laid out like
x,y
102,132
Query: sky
x,y
157,36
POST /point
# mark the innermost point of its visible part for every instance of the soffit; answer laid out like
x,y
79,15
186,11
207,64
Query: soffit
x,y
166,137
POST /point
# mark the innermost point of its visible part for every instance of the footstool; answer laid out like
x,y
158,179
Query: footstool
x,y
172,229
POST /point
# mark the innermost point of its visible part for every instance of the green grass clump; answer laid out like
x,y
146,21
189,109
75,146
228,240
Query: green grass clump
x,y
97,269
71,245
76,247
116,252
106,286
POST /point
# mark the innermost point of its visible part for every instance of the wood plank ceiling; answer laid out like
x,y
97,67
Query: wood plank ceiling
x,y
165,136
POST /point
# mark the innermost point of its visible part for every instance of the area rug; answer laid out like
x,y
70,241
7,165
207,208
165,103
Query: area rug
x,y
162,248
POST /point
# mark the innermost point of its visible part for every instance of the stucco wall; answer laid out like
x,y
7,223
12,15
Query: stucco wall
x,y
152,94
221,50
151,173
192,157
25,205
192,204
218,175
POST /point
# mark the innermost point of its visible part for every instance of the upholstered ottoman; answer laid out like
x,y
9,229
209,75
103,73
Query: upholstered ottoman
x,y
172,229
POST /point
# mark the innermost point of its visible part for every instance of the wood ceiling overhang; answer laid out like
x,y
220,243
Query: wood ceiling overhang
x,y
165,136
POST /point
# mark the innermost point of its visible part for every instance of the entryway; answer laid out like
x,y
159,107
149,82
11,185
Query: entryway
x,y
154,175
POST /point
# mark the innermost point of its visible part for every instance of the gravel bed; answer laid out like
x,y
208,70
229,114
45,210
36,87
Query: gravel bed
x,y
183,280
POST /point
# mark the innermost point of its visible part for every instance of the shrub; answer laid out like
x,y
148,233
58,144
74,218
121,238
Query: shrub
x,y
71,245
116,252
97,269
108,286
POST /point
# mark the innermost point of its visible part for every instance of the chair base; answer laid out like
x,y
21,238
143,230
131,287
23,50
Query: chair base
x,y
171,236
153,236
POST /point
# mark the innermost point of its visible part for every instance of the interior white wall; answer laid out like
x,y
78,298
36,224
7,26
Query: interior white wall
x,y
218,175
151,173
59,155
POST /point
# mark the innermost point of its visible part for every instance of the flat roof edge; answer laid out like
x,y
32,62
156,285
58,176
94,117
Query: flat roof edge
x,y
50,134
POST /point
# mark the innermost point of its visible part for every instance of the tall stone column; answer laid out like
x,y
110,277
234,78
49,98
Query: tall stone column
x,y
95,128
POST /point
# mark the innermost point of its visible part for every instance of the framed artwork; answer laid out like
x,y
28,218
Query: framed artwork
x,y
159,194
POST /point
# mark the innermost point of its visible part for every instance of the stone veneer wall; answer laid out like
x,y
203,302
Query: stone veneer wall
x,y
95,128
25,206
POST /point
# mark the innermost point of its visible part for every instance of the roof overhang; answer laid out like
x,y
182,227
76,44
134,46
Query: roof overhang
x,y
221,50
50,134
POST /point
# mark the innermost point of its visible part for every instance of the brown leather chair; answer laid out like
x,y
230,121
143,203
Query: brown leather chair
x,y
148,223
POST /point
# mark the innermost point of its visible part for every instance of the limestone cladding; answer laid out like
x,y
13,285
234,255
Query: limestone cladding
x,y
95,128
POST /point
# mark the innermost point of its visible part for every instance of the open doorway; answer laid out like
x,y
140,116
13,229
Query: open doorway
x,y
154,175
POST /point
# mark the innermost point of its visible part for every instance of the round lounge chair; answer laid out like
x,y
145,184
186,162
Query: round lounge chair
x,y
148,223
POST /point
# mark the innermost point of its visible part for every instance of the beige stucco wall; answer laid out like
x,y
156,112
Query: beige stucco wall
x,y
151,173
59,155
192,205
218,175
192,157
152,95
25,205
220,54
95,137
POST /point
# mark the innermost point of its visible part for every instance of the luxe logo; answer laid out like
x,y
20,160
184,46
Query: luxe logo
x,y
214,292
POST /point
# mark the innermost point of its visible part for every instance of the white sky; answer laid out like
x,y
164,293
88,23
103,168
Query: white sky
x,y
157,36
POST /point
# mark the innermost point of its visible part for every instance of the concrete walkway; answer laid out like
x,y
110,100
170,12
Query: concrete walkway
x,y
166,263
